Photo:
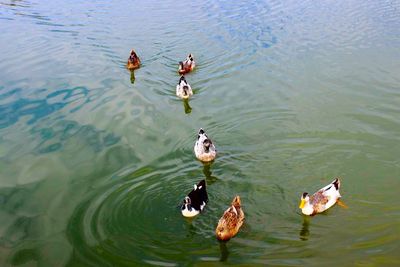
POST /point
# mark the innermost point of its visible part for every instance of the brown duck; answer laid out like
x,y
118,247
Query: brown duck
x,y
231,221
187,65
133,61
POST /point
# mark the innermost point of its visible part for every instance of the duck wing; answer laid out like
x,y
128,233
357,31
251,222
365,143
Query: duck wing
x,y
319,201
198,195
319,198
232,218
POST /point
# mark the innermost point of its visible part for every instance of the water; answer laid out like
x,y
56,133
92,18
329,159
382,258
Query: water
x,y
93,167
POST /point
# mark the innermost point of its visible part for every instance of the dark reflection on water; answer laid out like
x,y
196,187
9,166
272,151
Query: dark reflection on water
x,y
210,179
305,229
132,77
186,106
25,256
192,231
224,250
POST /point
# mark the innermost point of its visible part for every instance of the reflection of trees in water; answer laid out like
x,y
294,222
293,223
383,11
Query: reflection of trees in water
x,y
43,207
55,137
11,112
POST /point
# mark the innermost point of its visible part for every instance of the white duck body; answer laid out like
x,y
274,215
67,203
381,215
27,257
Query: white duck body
x,y
183,89
195,201
204,149
321,200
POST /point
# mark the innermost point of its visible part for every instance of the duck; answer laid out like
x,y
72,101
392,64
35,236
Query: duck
x,y
187,65
195,201
204,149
321,200
183,89
133,61
231,221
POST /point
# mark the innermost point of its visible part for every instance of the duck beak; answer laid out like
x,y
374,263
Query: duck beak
x,y
302,203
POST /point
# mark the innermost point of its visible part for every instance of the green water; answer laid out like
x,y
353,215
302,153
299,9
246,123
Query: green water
x,y
93,168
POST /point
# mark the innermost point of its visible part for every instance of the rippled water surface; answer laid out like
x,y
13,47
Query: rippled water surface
x,y
94,162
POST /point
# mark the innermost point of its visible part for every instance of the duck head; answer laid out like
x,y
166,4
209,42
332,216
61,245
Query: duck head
x,y
305,206
133,55
185,90
201,134
187,203
305,198
223,233
206,144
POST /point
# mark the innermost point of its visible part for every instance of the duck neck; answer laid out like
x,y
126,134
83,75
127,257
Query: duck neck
x,y
307,209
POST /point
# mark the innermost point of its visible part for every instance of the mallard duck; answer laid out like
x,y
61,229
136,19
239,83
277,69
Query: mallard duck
x,y
133,61
195,201
322,200
231,221
204,149
183,89
187,65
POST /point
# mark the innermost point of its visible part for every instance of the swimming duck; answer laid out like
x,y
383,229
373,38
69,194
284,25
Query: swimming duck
x,y
133,61
183,89
322,200
231,221
204,149
195,201
187,65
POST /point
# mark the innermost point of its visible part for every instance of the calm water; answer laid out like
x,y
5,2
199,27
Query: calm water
x,y
294,93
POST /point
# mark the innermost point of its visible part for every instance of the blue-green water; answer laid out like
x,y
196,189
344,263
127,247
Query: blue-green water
x,y
93,167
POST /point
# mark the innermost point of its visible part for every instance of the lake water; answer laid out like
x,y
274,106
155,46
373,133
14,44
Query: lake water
x,y
93,167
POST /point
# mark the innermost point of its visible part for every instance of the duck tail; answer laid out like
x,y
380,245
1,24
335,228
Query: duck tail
x,y
336,183
203,191
202,184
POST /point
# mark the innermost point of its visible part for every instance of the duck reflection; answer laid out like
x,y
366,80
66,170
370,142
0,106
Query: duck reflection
x,y
132,77
208,174
186,106
305,232
224,251
192,231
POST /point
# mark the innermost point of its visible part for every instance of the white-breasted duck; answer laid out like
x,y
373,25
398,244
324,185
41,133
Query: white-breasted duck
x,y
321,200
183,89
195,201
204,149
